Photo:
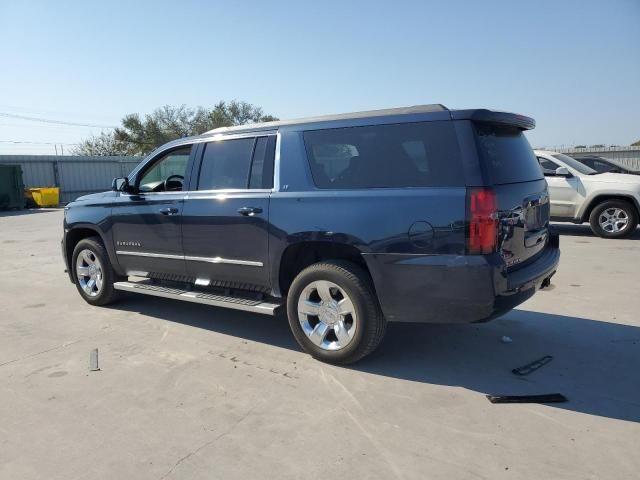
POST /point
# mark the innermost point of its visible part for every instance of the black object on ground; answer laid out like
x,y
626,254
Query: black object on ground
x,y
533,366
544,398
93,361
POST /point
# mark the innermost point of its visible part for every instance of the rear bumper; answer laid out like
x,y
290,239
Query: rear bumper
x,y
456,288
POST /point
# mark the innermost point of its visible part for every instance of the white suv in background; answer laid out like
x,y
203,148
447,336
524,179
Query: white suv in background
x,y
609,201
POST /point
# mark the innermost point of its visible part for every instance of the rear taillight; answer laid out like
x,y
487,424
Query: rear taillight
x,y
483,224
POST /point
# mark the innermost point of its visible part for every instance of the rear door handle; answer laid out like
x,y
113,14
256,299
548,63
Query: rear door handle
x,y
169,211
249,211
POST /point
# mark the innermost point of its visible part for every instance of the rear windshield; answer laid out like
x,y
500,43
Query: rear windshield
x,y
422,154
507,155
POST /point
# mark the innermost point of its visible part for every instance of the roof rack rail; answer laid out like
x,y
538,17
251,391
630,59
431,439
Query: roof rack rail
x,y
429,108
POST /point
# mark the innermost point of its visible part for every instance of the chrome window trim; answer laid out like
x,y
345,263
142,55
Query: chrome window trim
x,y
213,138
223,191
276,164
191,193
154,193
193,141
228,261
221,136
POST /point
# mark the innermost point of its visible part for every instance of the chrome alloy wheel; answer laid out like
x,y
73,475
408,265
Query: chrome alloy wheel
x,y
327,315
613,220
89,272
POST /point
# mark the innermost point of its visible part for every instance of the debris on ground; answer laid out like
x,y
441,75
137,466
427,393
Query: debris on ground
x,y
93,361
506,339
533,366
544,398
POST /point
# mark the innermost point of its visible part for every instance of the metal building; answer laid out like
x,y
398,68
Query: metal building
x,y
79,175
74,175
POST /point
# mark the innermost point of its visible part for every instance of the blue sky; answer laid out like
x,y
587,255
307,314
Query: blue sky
x,y
572,65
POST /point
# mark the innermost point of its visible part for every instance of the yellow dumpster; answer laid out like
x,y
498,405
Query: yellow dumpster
x,y
45,197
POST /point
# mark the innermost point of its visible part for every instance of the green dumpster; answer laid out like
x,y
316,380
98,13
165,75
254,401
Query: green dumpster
x,y
11,187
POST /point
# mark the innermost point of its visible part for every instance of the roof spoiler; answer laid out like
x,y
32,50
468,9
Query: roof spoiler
x,y
499,118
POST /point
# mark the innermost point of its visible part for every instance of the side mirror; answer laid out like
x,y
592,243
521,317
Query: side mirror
x,y
120,184
562,172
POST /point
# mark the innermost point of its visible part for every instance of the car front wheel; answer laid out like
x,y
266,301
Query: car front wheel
x,y
333,312
92,272
614,219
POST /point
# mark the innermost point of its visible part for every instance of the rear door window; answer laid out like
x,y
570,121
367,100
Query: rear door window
x,y
262,166
422,154
225,164
238,164
506,155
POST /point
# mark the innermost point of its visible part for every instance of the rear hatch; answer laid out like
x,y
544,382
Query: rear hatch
x,y
521,197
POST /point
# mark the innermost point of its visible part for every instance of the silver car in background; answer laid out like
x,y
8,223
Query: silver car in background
x,y
610,202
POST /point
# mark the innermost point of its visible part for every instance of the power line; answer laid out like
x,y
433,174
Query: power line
x,y
57,122
36,143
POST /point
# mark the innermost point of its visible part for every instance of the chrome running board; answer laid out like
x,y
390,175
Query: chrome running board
x,y
199,296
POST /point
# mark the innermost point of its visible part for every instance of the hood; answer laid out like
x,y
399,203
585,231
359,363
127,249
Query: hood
x,y
95,196
615,178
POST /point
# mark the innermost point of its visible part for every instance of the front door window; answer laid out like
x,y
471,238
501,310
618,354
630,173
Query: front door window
x,y
167,173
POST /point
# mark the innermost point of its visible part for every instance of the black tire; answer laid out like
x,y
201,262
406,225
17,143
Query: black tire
x,y
356,283
629,210
106,294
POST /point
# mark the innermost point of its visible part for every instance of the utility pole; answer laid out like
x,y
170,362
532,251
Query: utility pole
x,y
56,147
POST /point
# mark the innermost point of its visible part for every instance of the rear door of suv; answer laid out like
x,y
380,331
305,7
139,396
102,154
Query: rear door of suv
x,y
226,213
522,200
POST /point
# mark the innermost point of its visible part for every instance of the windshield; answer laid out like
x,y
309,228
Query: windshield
x,y
576,165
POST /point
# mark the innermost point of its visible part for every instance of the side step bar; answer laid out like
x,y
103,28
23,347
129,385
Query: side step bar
x,y
195,296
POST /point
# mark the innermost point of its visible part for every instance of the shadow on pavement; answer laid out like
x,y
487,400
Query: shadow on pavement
x,y
258,328
584,230
26,211
595,363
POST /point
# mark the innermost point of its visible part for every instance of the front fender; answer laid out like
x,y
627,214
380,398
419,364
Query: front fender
x,y
94,217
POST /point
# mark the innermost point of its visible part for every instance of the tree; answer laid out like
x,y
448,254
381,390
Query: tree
x,y
636,144
141,135
169,123
236,113
104,144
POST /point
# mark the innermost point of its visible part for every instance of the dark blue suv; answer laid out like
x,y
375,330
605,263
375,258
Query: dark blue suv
x,y
419,214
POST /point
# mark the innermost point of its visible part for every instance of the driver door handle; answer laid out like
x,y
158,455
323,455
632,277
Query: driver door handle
x,y
169,211
249,211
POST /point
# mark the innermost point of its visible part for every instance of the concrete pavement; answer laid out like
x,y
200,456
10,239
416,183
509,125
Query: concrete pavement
x,y
189,391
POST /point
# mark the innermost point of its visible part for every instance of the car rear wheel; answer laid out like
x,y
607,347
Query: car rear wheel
x,y
333,312
613,219
92,272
